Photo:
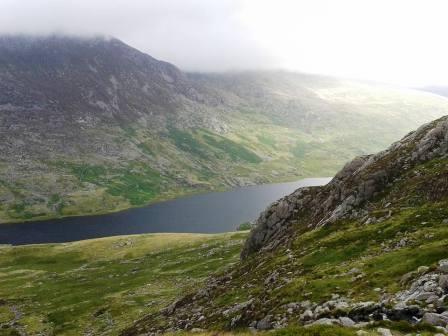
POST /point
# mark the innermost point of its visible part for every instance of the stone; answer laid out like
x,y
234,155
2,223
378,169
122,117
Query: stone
x,y
384,332
407,277
341,306
423,296
265,323
435,319
253,324
271,278
443,266
361,333
307,315
234,321
238,307
324,321
432,299
422,269
346,321
443,281
197,330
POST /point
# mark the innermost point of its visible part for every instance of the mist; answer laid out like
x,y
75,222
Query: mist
x,y
400,42
193,34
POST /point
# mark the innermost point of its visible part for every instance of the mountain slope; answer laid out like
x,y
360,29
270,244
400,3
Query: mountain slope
x,y
92,125
100,286
370,246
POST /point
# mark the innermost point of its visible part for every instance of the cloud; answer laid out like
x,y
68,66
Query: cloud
x,y
193,34
399,41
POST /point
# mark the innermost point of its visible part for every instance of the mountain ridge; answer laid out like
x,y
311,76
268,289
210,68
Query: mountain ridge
x,y
106,127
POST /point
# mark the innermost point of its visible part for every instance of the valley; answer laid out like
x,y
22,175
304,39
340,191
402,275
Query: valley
x,y
95,134
99,126
362,255
205,213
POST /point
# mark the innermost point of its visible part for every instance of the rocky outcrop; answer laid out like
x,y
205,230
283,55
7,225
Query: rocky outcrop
x,y
358,182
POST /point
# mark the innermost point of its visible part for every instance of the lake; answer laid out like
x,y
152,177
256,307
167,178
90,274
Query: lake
x,y
205,213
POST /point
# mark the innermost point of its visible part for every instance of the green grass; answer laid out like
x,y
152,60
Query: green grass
x,y
323,257
234,150
103,285
187,142
314,331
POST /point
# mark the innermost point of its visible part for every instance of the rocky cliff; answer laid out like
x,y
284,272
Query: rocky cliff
x,y
348,194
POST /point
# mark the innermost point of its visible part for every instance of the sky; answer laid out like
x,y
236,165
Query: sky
x,y
394,41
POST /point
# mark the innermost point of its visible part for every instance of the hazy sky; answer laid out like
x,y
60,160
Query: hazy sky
x,y
397,41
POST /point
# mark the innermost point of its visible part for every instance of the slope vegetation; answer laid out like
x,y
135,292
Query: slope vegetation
x,y
366,251
98,287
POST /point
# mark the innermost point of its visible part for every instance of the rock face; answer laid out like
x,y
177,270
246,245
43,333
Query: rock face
x,y
65,85
358,182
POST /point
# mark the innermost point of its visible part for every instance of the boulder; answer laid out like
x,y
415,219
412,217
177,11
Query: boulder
x,y
237,308
435,319
443,266
265,323
361,333
384,332
346,321
443,281
324,321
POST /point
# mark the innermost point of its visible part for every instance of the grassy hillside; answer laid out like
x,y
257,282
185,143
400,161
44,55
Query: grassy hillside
x,y
276,138
100,286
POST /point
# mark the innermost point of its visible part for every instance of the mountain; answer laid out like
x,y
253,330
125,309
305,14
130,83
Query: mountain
x,y
91,125
367,250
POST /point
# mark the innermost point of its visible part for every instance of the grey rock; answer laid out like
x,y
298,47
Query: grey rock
x,y
307,315
384,332
355,184
234,321
422,269
443,266
197,330
271,278
324,321
435,319
237,308
346,321
443,281
265,323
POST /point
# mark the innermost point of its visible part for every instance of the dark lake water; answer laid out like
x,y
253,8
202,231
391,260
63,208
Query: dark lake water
x,y
206,213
